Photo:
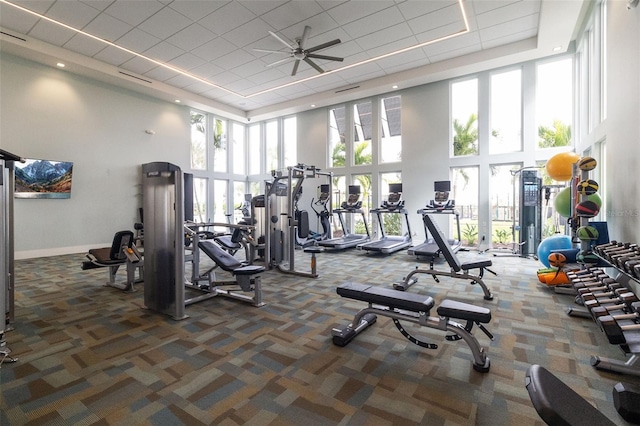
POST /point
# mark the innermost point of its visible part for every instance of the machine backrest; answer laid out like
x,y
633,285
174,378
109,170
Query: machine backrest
x,y
558,404
302,216
122,240
219,255
441,241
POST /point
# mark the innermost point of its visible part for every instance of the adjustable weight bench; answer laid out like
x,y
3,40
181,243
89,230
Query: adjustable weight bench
x,y
121,252
458,270
247,278
401,306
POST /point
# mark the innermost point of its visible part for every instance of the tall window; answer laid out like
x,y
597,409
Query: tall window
x,y
554,103
464,113
392,222
200,199
198,141
220,145
362,121
464,190
237,132
220,202
503,203
239,189
337,146
255,152
506,112
290,141
338,196
391,131
271,129
366,196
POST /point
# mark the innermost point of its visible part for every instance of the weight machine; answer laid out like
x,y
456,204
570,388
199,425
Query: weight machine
x,y
7,271
280,217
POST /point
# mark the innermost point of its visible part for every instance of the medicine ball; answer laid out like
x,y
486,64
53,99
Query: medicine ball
x,y
557,260
587,163
587,209
588,187
587,233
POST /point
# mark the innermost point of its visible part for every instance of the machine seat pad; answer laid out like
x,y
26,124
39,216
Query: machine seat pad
x,y
474,265
386,297
249,270
452,309
313,249
222,257
103,256
227,242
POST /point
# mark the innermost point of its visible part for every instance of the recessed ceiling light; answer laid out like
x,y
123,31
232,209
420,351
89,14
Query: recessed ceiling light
x,y
557,48
178,101
313,105
395,86
60,65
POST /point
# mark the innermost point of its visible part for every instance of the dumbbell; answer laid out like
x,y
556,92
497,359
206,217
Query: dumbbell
x,y
601,247
625,298
614,249
615,330
599,289
613,254
614,310
619,259
603,297
630,263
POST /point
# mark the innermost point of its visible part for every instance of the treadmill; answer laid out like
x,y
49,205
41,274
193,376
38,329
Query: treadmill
x,y
390,243
352,206
440,205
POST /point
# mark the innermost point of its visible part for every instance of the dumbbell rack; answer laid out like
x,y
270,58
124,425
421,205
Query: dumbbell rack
x,y
609,294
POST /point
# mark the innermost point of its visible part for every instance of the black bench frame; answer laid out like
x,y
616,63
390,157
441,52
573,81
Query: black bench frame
x,y
415,308
123,251
458,270
247,286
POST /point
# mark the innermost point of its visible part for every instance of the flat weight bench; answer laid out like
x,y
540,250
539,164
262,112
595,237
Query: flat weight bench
x,y
458,270
247,278
401,306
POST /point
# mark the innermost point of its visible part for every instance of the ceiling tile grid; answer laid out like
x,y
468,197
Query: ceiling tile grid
x,y
215,40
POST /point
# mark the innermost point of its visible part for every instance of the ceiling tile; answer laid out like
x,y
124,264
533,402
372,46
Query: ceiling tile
x,y
187,61
163,51
138,65
353,10
137,40
196,10
108,27
72,13
458,42
291,13
191,37
35,6
214,49
161,74
249,33
436,19
13,19
207,70
456,53
113,56
165,23
227,18
385,36
236,58
51,33
84,45
413,9
98,4
133,12
375,22
508,13
487,5
510,27
260,7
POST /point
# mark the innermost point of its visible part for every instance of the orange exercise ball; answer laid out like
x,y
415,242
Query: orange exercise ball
x,y
560,166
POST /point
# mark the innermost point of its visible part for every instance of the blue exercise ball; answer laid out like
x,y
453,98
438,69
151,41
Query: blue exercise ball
x,y
557,242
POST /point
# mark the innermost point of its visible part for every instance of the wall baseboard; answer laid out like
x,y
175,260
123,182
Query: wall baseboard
x,y
58,251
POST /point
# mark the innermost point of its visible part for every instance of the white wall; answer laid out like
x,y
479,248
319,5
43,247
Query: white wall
x,y
52,114
622,126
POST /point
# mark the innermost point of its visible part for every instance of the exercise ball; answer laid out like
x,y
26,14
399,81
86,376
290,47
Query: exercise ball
x,y
562,202
557,242
560,166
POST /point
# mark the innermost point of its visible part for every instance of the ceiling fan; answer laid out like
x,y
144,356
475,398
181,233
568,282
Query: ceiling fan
x,y
300,53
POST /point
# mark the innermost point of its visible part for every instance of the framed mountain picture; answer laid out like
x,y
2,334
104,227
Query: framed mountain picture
x,y
43,179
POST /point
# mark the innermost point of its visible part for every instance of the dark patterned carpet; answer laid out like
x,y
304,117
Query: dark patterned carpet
x,y
90,354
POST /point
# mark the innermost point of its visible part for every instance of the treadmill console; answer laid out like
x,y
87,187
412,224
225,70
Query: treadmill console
x,y
353,202
441,200
394,200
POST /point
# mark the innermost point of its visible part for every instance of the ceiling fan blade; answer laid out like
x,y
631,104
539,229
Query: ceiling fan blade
x,y
279,62
314,65
281,40
328,58
323,45
305,36
271,51
295,67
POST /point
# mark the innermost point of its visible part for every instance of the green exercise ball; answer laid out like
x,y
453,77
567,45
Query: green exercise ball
x,y
562,202
596,199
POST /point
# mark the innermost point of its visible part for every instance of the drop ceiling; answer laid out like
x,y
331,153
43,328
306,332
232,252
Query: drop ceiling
x,y
202,52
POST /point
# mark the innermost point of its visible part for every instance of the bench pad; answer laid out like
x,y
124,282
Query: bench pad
x,y
452,309
386,297
249,270
474,265
222,257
